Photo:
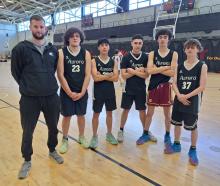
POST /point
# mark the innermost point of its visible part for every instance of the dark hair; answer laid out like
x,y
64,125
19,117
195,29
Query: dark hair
x,y
137,36
163,32
103,40
193,42
37,18
69,33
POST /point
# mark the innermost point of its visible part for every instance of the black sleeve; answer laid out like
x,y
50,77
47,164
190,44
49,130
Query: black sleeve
x,y
124,63
16,63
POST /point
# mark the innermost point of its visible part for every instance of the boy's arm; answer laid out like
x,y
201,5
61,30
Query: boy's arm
x,y
97,76
170,72
202,84
151,68
126,72
87,73
114,78
141,72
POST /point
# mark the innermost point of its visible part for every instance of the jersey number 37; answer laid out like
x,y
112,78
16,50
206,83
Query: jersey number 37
x,y
186,85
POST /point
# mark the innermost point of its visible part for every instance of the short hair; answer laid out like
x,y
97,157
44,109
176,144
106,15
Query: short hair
x,y
37,18
69,33
103,40
137,36
193,42
163,32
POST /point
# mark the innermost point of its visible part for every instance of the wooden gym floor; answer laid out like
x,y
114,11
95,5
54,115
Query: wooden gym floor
x,y
125,164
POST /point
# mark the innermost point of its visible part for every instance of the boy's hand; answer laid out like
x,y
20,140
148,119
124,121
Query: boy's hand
x,y
141,69
78,96
183,99
131,71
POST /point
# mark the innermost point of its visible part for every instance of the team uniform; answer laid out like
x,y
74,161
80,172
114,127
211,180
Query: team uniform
x,y
104,91
187,81
74,73
159,89
135,88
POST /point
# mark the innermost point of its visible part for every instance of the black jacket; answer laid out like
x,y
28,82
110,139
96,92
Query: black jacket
x,y
34,72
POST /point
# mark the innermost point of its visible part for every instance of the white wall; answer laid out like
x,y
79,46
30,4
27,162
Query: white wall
x,y
7,42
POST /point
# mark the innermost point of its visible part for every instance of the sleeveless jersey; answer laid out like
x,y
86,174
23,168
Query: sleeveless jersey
x,y
104,89
187,81
74,69
159,61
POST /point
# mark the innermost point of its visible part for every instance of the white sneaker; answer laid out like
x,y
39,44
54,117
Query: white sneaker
x,y
152,137
120,136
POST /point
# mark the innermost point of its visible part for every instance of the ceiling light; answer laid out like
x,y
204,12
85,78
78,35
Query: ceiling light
x,y
38,7
1,6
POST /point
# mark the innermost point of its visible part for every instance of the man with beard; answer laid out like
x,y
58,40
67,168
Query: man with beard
x,y
33,66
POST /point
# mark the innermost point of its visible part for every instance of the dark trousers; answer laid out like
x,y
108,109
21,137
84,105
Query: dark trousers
x,y
30,108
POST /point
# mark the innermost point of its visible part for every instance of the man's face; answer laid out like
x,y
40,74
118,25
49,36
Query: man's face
x,y
137,45
38,29
104,48
163,40
75,40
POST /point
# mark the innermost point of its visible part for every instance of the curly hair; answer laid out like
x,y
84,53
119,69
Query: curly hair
x,y
69,33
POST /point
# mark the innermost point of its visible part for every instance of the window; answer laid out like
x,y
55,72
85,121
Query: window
x,y
155,2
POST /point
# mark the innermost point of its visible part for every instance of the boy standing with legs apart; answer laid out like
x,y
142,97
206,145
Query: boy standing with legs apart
x,y
74,70
161,66
133,70
104,72
189,83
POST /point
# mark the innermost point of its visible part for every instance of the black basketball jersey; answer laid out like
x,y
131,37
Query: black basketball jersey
x,y
159,61
134,84
74,69
187,81
104,89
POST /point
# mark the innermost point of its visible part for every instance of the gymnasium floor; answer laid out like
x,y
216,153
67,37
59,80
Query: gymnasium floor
x,y
125,164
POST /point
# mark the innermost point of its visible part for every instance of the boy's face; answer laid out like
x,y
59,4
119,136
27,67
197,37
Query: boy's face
x,y
103,48
38,29
74,40
163,40
137,45
191,50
